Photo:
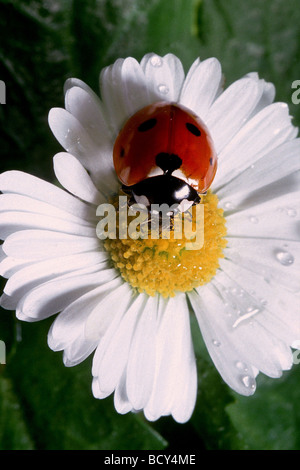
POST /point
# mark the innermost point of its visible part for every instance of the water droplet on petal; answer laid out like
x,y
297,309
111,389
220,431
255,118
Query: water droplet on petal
x,y
284,257
250,309
216,343
156,61
253,219
229,205
163,89
291,212
241,366
248,381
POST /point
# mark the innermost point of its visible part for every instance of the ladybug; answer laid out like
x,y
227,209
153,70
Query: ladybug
x,y
164,154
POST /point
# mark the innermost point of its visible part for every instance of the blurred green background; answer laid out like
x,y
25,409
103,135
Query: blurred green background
x,y
44,405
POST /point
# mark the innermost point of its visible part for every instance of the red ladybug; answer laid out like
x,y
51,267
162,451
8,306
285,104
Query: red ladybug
x,y
164,154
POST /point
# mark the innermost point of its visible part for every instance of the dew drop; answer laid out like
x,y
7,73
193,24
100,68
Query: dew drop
x,y
229,205
285,258
163,89
253,219
80,147
216,343
291,212
156,61
248,381
241,366
250,309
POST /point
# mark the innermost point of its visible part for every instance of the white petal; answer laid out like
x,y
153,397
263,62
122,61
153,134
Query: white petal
x,y
268,94
76,82
96,390
175,383
177,72
69,330
88,109
76,140
122,404
124,91
231,110
28,185
238,348
54,296
78,351
2,255
112,353
267,130
276,164
11,222
164,76
277,261
42,244
9,266
277,313
201,86
267,352
74,177
134,92
17,202
276,218
9,303
30,276
232,366
103,314
141,359
70,323
73,137
186,398
110,93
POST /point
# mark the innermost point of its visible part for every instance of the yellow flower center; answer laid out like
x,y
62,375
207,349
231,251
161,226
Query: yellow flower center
x,y
183,256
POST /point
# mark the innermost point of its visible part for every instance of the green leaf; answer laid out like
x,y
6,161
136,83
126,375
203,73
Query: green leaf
x,y
130,28
260,36
270,419
61,412
13,429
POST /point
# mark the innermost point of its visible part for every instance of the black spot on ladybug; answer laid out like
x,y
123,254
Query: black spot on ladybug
x,y
210,161
147,125
193,129
122,153
168,162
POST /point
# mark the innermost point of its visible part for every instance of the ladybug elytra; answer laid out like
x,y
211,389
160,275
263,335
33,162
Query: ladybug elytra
x,y
164,154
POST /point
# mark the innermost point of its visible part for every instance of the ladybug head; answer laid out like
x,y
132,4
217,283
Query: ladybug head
x,y
165,188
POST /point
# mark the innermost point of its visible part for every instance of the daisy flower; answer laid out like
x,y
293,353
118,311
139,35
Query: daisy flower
x,y
130,301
